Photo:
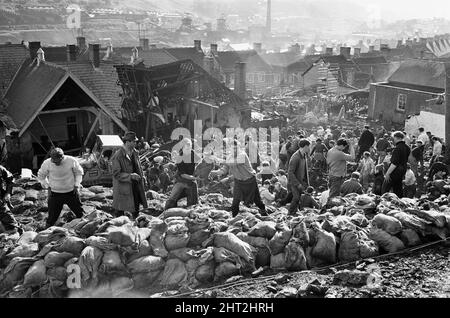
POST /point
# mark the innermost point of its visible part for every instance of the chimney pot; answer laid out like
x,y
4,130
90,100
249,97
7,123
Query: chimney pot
x,y
81,43
71,53
94,54
257,47
214,49
135,55
345,51
198,45
34,47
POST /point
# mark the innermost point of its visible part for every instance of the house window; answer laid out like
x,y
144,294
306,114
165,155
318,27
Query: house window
x,y
250,78
261,77
401,102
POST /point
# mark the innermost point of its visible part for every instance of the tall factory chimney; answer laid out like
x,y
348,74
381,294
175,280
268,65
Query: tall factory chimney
x,y
269,16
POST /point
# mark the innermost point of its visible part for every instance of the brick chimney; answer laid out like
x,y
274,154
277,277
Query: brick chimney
x,y
208,64
257,47
384,47
239,80
144,44
399,43
357,52
423,40
34,47
198,45
214,49
409,43
371,48
345,51
71,50
329,51
81,43
94,54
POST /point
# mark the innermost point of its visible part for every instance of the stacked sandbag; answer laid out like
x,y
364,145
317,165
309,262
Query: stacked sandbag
x,y
189,247
245,252
177,234
355,245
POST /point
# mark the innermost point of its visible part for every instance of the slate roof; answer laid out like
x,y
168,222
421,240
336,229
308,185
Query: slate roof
x,y
336,59
161,56
32,85
424,73
190,53
370,60
228,60
281,59
11,58
102,82
299,66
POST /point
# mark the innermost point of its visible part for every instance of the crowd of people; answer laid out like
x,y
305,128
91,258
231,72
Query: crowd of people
x,y
352,160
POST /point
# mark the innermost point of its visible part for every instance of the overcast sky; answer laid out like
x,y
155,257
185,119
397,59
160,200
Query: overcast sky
x,y
408,9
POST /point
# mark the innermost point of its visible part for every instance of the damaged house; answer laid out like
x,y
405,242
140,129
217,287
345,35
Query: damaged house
x,y
160,98
63,103
417,85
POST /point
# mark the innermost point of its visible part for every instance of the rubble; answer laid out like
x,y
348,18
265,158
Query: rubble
x,y
182,248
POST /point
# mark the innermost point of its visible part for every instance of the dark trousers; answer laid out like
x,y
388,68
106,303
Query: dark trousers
x,y
409,191
396,184
7,218
241,188
296,193
288,199
180,190
335,184
56,202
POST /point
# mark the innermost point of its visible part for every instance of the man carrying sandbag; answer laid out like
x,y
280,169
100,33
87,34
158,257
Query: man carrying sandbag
x,y
62,176
128,180
245,186
186,182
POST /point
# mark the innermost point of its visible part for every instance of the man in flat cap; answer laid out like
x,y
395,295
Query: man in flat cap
x,y
128,180
62,176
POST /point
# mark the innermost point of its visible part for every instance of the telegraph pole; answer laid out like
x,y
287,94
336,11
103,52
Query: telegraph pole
x,y
447,112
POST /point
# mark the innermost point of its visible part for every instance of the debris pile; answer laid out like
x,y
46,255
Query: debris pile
x,y
187,248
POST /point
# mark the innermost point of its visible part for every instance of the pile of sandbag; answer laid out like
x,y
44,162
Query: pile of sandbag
x,y
204,244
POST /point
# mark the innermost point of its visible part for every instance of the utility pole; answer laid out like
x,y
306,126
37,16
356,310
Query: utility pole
x,y
447,112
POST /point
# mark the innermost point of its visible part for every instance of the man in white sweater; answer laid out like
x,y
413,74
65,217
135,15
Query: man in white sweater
x,y
61,175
